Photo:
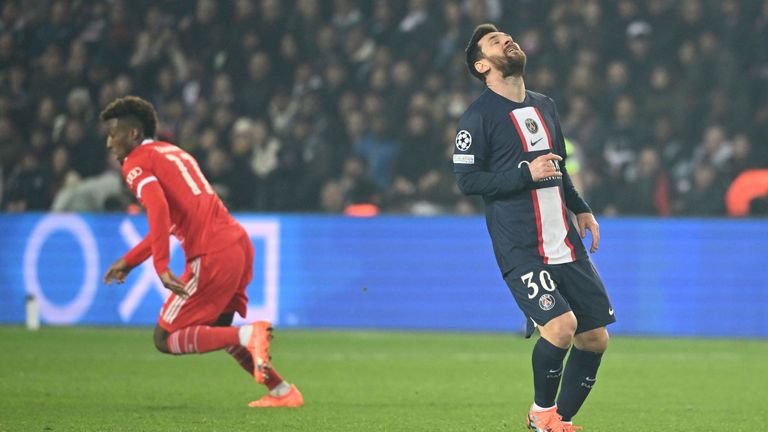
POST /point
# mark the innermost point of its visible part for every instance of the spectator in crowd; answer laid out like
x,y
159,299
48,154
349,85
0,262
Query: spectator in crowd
x,y
96,193
647,191
707,195
378,149
322,81
27,185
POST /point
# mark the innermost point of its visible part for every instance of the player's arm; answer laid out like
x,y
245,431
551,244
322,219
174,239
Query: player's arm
x,y
159,218
584,217
573,200
119,269
139,253
470,156
508,182
135,176
138,171
493,184
139,174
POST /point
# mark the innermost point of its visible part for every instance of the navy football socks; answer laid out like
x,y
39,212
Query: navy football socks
x,y
579,378
547,362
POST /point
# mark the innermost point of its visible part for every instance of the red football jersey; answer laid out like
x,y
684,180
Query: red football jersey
x,y
179,201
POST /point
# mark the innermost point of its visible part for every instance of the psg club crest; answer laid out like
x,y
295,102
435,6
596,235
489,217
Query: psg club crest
x,y
463,140
531,125
546,302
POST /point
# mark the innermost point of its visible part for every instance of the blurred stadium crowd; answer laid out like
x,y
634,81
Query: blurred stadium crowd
x,y
312,105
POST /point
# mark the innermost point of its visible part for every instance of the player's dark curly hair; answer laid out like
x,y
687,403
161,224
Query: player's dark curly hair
x,y
135,108
473,50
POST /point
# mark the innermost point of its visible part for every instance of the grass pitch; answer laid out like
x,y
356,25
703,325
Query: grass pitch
x,y
109,379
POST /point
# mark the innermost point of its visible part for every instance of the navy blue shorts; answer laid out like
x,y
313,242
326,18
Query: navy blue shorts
x,y
545,291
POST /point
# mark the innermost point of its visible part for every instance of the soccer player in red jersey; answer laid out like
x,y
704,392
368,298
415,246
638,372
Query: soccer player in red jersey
x,y
197,316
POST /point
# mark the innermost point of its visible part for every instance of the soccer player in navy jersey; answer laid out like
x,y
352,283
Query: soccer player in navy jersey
x,y
197,316
510,150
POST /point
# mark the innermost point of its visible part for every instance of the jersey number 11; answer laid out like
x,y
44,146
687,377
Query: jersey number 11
x,y
187,176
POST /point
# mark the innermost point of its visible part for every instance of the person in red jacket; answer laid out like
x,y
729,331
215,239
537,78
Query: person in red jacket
x,y
197,316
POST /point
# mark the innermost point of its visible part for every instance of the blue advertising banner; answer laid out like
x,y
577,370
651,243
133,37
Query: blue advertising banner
x,y
665,277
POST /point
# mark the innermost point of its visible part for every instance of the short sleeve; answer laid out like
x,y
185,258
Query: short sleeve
x,y
470,147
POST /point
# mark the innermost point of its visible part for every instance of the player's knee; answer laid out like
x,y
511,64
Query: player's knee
x,y
593,340
161,341
559,331
566,325
601,340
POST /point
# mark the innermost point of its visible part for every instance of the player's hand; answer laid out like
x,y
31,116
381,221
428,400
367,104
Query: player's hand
x,y
173,283
118,271
545,166
586,222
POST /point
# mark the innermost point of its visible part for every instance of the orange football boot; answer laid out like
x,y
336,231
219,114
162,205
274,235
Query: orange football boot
x,y
570,427
545,421
292,399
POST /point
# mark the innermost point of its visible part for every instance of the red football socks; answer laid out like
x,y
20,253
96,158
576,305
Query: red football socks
x,y
245,360
273,378
242,357
202,339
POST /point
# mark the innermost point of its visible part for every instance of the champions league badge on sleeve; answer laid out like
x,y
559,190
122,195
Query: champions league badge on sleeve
x,y
463,140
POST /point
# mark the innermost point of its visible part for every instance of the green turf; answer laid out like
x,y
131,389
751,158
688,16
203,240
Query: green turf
x,y
87,379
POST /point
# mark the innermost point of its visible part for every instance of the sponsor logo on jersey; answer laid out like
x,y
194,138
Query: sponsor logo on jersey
x,y
531,125
463,140
467,159
132,175
533,143
546,302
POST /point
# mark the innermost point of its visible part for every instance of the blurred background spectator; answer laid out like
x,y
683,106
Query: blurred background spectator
x,y
319,105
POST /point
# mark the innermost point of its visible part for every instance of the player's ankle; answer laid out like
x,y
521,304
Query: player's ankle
x,y
244,334
537,408
281,389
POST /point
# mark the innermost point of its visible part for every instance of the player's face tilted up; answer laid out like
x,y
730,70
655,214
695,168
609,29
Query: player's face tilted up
x,y
501,54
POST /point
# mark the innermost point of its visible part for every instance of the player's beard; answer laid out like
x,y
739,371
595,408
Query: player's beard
x,y
509,66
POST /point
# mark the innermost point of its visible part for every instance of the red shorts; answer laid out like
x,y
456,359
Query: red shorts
x,y
216,284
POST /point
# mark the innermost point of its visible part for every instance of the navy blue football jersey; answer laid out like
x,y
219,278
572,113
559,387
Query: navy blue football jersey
x,y
528,221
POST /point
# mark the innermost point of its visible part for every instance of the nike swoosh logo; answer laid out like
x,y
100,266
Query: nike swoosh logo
x,y
556,370
610,311
590,379
533,143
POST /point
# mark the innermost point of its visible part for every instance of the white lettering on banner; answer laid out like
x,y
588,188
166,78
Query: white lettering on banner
x,y
270,232
74,310
148,277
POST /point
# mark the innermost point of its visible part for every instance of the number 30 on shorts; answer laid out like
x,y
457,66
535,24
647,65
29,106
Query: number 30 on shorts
x,y
545,279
